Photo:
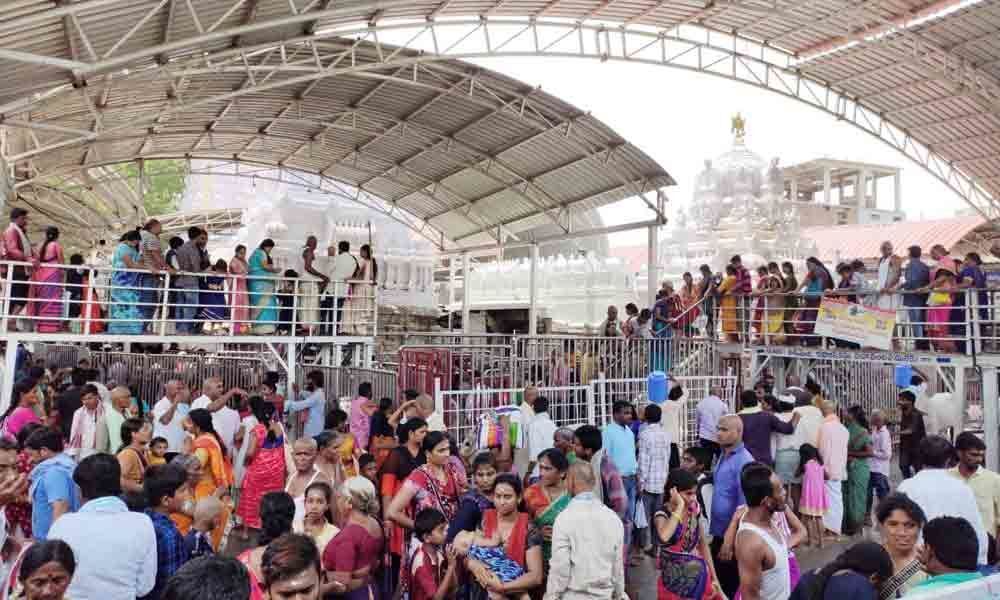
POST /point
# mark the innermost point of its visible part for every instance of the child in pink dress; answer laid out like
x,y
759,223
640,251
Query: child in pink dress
x,y
813,503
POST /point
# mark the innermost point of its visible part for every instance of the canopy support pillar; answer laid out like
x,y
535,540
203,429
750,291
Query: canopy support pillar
x,y
652,271
466,293
533,297
991,417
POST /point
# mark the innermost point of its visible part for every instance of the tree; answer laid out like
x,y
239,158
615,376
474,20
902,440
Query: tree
x,y
164,184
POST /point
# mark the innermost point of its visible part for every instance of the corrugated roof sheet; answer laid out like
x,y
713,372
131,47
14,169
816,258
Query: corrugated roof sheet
x,y
933,75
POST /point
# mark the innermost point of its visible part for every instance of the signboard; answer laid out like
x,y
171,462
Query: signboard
x,y
870,327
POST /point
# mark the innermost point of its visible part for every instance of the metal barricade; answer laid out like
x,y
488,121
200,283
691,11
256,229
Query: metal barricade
x,y
680,417
147,374
341,383
461,410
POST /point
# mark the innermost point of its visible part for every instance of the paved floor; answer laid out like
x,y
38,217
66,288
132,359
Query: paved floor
x,y
642,579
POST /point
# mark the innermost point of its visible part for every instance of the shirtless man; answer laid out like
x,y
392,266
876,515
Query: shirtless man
x,y
304,456
761,551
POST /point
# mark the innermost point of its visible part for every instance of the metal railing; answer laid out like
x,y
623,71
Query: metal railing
x,y
574,405
56,298
962,321
550,361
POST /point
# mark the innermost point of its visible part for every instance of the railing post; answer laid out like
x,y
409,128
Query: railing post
x,y
591,409
374,287
8,290
165,304
603,395
972,317
295,307
438,398
87,293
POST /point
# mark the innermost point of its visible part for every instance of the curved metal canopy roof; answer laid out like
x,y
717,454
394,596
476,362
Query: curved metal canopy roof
x,y
310,85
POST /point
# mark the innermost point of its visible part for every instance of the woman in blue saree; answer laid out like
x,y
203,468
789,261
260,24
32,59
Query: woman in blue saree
x,y
260,286
126,317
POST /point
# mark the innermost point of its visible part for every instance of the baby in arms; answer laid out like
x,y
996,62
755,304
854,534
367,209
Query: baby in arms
x,y
487,562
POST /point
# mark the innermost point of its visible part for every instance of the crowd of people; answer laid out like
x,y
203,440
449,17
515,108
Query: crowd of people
x,y
780,306
248,294
376,499
794,469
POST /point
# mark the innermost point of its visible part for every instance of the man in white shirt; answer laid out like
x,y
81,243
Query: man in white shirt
x,y
169,413
342,270
710,410
225,420
115,549
587,541
541,434
940,494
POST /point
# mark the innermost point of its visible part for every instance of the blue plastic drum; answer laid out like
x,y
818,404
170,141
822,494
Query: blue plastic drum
x,y
656,386
903,375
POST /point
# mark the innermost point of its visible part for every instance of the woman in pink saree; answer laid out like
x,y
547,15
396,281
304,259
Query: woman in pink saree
x,y
46,292
238,298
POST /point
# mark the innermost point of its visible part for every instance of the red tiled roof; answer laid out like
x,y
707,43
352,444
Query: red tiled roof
x,y
864,241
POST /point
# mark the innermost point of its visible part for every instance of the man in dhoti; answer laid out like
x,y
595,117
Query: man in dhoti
x,y
890,267
833,438
309,288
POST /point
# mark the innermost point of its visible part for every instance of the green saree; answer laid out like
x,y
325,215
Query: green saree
x,y
548,519
858,474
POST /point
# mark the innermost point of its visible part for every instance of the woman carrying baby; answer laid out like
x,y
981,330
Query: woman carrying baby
x,y
521,543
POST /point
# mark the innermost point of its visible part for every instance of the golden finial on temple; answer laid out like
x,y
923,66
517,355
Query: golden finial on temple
x,y
739,127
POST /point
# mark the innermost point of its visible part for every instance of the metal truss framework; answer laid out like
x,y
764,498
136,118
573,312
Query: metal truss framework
x,y
332,45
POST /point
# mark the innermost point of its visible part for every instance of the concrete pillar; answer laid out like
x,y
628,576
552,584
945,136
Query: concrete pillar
x,y
451,289
991,419
533,293
293,369
652,266
897,199
466,292
865,203
10,369
794,191
826,185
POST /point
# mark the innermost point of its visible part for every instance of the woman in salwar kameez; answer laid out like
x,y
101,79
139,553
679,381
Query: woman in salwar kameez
x,y
859,448
686,568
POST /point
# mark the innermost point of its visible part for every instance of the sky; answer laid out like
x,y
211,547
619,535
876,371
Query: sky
x,y
681,118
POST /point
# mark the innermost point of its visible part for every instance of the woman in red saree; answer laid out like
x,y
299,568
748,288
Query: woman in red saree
x,y
45,295
521,541
435,484
239,300
265,463
217,473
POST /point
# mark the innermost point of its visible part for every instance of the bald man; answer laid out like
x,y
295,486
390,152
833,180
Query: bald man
x,y
225,420
727,496
587,544
116,413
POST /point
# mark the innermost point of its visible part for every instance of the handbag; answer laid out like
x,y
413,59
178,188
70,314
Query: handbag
x,y
641,520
